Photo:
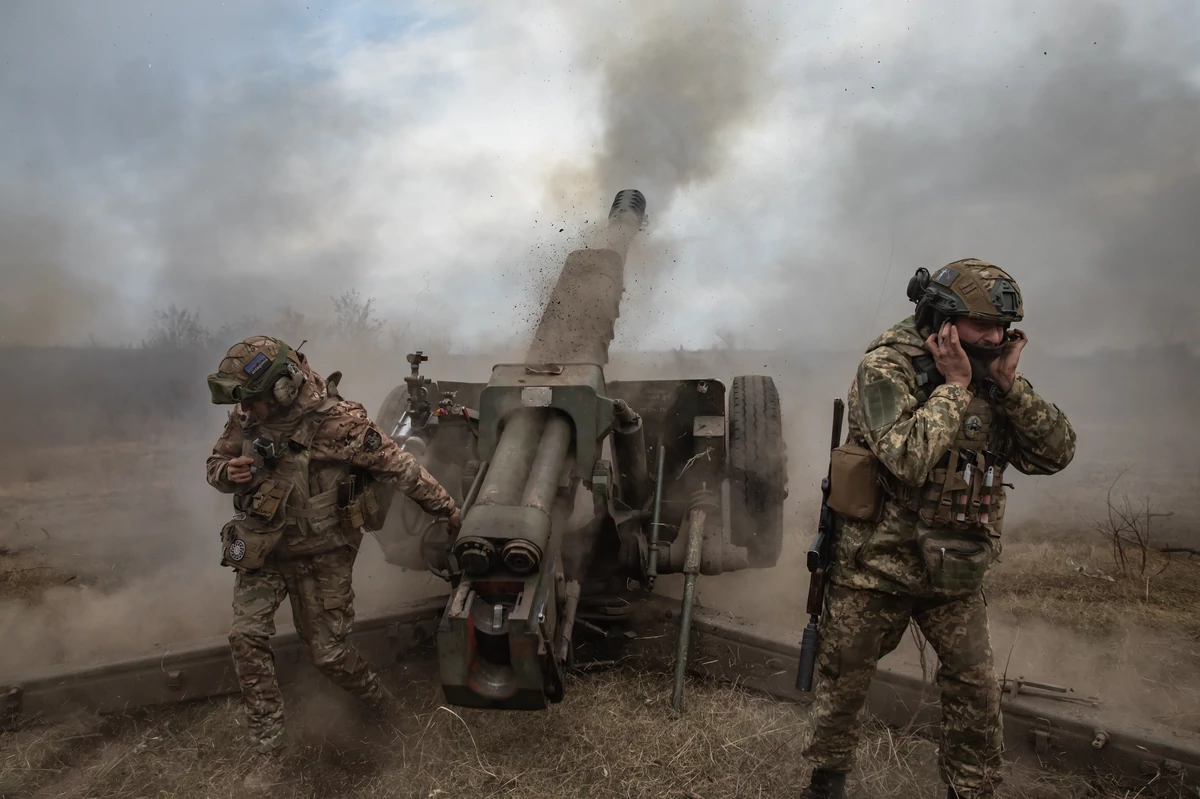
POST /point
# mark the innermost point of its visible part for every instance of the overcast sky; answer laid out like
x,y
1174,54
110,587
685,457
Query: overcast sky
x,y
799,162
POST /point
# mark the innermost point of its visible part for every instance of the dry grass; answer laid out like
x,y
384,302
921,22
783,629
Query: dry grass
x,y
25,574
1035,580
1132,641
614,736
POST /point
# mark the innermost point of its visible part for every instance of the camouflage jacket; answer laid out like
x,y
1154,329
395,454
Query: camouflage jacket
x,y
909,430
345,439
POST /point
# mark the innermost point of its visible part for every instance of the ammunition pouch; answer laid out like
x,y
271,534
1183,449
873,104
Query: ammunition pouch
x,y
956,561
946,495
363,502
934,501
855,487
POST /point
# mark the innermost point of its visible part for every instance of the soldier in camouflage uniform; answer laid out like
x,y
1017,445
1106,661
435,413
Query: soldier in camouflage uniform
x,y
308,471
939,411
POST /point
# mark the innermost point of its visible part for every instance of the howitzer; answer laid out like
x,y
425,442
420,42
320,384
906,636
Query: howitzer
x,y
820,554
564,525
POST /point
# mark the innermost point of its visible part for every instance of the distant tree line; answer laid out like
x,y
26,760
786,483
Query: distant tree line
x,y
353,320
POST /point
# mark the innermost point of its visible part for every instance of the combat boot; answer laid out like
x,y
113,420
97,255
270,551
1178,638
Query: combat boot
x,y
826,785
266,771
386,707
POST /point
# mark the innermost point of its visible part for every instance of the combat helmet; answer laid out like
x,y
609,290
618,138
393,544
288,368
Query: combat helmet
x,y
257,368
971,288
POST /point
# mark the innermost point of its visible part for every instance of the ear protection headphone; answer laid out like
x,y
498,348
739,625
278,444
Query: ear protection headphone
x,y
287,386
917,284
925,315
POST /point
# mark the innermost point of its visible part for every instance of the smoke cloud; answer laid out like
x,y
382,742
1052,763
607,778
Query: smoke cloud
x,y
798,164
1059,144
685,80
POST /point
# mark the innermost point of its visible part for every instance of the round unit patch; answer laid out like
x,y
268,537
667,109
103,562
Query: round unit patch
x,y
237,550
973,426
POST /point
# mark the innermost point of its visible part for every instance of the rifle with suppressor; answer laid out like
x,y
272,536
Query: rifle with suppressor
x,y
819,556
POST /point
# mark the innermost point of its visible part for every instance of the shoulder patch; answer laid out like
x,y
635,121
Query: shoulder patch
x,y
372,440
881,403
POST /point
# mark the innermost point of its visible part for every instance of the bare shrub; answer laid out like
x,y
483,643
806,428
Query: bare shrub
x,y
177,329
1129,532
354,318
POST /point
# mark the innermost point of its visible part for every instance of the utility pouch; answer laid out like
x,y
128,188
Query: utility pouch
x,y
375,501
271,495
256,530
244,548
854,488
956,561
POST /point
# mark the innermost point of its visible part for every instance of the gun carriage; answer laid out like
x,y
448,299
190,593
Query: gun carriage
x,y
577,492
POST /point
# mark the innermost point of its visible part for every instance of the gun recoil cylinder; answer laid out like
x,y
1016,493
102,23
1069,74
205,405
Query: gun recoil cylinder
x,y
629,446
506,478
542,485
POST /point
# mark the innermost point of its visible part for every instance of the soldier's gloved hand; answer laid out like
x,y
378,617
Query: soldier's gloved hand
x,y
1004,369
238,470
950,357
454,522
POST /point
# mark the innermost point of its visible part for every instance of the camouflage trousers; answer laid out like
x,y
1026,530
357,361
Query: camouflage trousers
x,y
322,607
861,626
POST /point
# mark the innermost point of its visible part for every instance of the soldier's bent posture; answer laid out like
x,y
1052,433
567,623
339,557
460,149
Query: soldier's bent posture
x,y
308,470
937,412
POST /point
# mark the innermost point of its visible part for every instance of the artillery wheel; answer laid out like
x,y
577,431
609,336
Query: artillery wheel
x,y
402,534
757,468
392,409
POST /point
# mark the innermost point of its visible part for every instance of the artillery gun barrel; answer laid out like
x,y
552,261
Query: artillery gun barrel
x,y
578,323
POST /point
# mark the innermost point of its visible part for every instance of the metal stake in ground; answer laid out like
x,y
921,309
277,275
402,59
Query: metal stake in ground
x,y
691,569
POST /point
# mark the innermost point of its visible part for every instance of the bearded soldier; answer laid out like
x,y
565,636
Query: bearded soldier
x,y
937,413
308,471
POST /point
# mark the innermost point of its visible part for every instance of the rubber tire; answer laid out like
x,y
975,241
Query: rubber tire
x,y
757,469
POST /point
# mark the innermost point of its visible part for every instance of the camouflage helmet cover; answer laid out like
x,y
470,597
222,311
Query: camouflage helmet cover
x,y
250,369
970,287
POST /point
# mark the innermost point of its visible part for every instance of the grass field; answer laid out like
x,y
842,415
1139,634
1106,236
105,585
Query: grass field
x,y
614,736
111,549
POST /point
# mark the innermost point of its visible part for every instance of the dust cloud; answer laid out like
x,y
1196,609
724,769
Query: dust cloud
x,y
41,296
1059,144
107,486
